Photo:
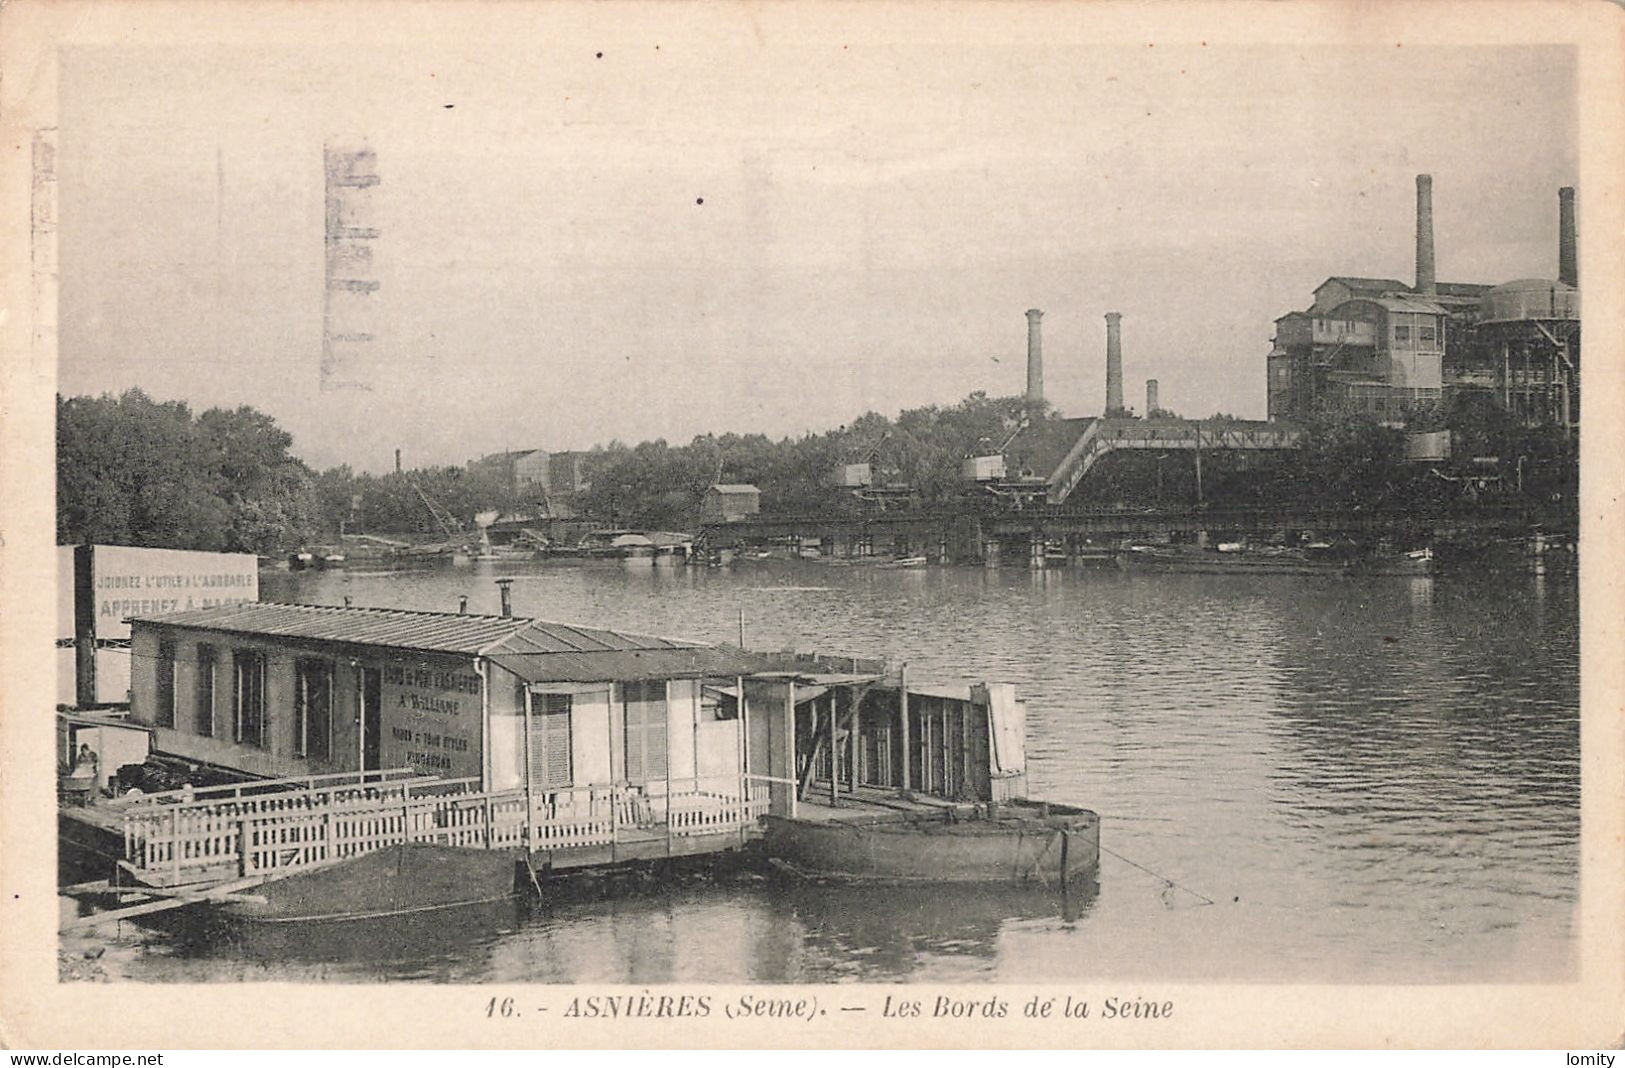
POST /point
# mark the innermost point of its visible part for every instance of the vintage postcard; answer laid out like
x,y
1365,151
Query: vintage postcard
x,y
712,524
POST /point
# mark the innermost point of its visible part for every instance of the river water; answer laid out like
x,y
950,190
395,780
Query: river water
x,y
1370,780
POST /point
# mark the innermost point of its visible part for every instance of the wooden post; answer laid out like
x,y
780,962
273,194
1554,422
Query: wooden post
x,y
667,735
175,842
902,704
857,738
795,789
742,740
614,801
530,800
964,749
243,865
834,756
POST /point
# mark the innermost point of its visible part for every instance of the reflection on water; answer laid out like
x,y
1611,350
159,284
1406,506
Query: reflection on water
x,y
1372,780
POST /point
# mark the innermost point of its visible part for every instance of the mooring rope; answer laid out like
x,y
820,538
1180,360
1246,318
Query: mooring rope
x,y
1169,884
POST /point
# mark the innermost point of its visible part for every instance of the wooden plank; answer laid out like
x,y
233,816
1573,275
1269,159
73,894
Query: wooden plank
x,y
163,904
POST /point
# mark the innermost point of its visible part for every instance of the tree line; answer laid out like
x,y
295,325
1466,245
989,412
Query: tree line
x,y
134,471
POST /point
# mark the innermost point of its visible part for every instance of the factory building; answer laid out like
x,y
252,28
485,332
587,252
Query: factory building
x,y
537,469
1379,346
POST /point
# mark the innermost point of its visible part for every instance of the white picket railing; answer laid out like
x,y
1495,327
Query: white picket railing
x,y
196,841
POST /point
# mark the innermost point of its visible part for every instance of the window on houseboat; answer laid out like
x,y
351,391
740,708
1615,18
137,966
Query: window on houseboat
x,y
645,730
716,703
550,740
313,709
164,716
204,720
248,698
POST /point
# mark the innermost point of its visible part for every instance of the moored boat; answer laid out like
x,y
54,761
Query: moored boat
x,y
1315,559
921,783
1019,842
402,879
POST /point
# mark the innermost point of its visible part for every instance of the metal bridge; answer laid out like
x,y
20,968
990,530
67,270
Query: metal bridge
x,y
957,533
1103,436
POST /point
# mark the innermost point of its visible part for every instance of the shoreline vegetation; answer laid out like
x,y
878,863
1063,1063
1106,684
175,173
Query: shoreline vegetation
x,y
135,471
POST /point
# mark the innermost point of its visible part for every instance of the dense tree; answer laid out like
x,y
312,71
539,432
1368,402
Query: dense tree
x,y
132,471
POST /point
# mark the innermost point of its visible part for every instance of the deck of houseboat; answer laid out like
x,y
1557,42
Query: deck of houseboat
x,y
872,803
265,830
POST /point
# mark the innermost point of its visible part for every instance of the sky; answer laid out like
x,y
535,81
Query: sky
x,y
626,234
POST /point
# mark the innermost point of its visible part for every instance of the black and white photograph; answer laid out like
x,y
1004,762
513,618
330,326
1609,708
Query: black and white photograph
x,y
867,517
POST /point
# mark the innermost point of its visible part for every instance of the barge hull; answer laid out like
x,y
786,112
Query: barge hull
x,y
397,881
1056,849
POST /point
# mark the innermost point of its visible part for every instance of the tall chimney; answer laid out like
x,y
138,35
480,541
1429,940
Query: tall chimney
x,y
1114,363
1568,252
1035,356
1150,397
397,461
504,585
1424,235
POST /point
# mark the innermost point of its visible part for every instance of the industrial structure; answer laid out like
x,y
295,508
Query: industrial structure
x,y
1114,365
1035,356
1379,346
528,470
730,502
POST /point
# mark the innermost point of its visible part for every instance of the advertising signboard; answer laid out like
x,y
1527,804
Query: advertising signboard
x,y
107,584
431,718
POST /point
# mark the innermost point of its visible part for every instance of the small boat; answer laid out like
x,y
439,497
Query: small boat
x,y
1235,559
956,814
1019,842
906,562
1416,562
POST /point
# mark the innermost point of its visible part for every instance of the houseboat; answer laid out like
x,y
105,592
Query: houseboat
x,y
395,761
902,782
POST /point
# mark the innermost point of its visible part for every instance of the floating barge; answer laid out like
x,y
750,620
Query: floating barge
x,y
412,760
1309,560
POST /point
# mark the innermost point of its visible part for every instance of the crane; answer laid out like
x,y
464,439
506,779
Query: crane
x,y
993,466
860,475
447,521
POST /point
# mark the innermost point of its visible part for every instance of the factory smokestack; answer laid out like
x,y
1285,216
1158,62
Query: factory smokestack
x,y
1150,397
1035,356
1114,363
397,461
1568,252
1424,235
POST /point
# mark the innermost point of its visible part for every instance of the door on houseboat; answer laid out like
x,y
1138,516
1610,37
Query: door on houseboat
x,y
372,696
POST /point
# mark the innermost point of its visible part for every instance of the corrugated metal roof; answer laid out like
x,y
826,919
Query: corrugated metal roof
x,y
399,628
433,631
1364,285
677,662
541,638
1408,304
